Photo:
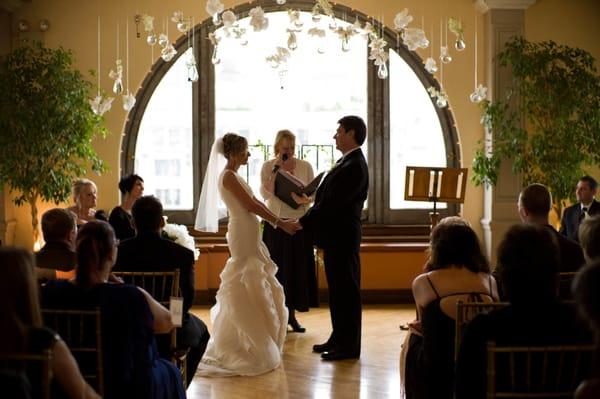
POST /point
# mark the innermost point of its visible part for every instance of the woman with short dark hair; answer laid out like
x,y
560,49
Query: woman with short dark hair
x,y
132,188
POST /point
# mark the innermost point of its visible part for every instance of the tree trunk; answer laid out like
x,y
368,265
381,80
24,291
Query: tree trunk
x,y
32,199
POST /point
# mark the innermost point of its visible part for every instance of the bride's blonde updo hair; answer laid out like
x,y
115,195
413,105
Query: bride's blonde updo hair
x,y
233,144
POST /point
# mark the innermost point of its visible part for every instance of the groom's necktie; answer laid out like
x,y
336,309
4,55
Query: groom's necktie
x,y
584,213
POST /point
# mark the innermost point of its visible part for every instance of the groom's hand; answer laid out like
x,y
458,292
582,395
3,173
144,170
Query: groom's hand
x,y
290,226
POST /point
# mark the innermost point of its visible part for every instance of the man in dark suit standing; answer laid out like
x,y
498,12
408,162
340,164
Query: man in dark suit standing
x,y
586,206
334,223
535,203
149,252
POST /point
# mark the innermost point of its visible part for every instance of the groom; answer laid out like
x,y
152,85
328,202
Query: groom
x,y
334,222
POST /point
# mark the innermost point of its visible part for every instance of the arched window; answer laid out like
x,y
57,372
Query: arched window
x,y
174,122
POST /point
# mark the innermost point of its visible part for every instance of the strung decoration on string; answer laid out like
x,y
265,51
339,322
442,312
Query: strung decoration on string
x,y
414,38
168,51
100,104
320,35
480,92
292,41
444,54
214,40
345,35
231,27
258,21
379,54
295,20
148,22
456,27
128,99
117,75
280,2
402,20
281,56
214,8
430,64
192,68
181,23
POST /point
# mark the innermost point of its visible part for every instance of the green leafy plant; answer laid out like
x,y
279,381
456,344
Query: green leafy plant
x,y
46,126
548,123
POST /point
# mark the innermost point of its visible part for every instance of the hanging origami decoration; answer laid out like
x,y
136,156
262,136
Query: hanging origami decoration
x,y
402,20
214,8
414,38
479,94
117,76
431,65
456,27
148,22
182,24
258,21
100,105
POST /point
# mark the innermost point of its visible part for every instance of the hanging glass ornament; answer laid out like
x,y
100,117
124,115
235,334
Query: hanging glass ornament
x,y
316,14
333,24
445,56
117,76
128,101
280,2
163,40
192,69
168,52
321,48
243,41
151,39
292,42
215,56
479,94
431,65
456,27
345,44
182,26
441,102
460,45
100,105
181,23
382,71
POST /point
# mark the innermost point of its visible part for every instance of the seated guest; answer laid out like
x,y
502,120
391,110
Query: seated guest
x,y
22,331
587,295
528,263
149,252
130,318
535,203
85,196
456,270
589,234
132,188
57,258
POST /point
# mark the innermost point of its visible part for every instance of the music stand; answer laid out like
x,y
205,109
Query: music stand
x,y
435,185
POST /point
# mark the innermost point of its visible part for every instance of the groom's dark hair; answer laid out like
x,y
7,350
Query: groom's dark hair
x,y
147,213
355,123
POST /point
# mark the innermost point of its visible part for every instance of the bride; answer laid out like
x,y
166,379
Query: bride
x,y
250,316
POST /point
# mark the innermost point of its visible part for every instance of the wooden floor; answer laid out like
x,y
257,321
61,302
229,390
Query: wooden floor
x,y
305,375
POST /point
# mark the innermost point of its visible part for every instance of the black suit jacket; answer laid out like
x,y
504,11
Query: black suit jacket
x,y
56,255
334,218
149,252
571,254
572,216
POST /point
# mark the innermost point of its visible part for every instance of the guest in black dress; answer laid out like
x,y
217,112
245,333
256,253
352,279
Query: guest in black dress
x,y
132,188
456,270
293,254
130,317
22,333
528,264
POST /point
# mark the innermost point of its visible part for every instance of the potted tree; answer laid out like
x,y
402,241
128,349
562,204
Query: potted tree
x,y
548,123
46,126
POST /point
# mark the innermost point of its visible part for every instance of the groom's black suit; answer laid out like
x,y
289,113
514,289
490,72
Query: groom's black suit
x,y
334,223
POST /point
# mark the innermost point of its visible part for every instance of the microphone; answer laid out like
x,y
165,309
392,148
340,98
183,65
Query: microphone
x,y
284,158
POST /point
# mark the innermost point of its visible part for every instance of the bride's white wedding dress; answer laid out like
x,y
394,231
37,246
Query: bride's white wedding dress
x,y
250,317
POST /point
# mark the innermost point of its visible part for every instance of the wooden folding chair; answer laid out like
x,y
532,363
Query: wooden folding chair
x,y
14,377
81,331
536,372
161,286
465,312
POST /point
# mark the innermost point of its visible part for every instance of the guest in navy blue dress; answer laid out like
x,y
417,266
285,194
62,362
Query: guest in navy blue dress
x,y
130,318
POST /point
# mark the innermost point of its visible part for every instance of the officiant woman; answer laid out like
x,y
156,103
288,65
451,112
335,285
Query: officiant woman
x,y
293,255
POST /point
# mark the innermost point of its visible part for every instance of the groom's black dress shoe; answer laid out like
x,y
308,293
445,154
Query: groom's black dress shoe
x,y
336,355
296,327
320,348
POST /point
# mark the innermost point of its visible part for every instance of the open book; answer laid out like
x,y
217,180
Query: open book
x,y
285,185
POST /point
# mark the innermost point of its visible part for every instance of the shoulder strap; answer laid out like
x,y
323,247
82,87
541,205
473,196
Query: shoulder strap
x,y
432,286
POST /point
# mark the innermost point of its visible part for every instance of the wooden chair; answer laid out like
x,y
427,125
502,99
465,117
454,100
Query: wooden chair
x,y
13,376
536,372
81,331
161,286
465,312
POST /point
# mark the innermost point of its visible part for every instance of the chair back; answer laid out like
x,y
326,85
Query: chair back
x,y
465,312
81,331
536,372
565,279
17,371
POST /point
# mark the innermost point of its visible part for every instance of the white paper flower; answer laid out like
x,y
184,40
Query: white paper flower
x,y
369,31
168,52
378,51
316,32
258,21
214,7
117,76
128,101
414,38
100,105
402,20
180,235
281,56
432,92
148,22
431,65
229,19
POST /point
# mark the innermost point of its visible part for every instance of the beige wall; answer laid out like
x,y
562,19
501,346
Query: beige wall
x,y
73,26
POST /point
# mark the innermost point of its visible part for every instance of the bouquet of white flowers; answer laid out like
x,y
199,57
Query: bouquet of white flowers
x,y
179,234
